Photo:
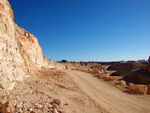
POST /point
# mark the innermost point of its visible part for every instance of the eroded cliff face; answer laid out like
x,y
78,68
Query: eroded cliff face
x,y
30,51
20,53
11,61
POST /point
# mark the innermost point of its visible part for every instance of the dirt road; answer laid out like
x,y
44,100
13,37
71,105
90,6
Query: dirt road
x,y
108,97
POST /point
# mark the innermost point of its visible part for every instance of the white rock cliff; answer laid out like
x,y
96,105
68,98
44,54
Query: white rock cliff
x,y
20,53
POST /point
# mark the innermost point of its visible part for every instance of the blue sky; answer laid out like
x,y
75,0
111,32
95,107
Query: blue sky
x,y
87,30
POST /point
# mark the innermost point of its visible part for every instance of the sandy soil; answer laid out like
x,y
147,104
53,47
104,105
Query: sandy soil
x,y
75,92
36,94
109,98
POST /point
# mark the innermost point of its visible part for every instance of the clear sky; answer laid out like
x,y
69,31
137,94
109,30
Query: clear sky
x,y
87,30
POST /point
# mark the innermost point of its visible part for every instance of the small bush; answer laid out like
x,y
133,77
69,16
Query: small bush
x,y
64,61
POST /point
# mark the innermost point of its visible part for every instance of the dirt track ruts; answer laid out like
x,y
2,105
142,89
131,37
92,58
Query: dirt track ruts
x,y
108,97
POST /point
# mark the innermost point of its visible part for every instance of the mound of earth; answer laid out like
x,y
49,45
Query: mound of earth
x,y
141,76
121,73
125,66
145,69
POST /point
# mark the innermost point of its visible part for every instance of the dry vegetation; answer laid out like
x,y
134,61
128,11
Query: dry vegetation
x,y
108,95
101,75
138,89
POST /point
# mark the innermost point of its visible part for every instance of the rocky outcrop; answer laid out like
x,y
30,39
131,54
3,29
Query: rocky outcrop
x,y
30,50
20,53
11,62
